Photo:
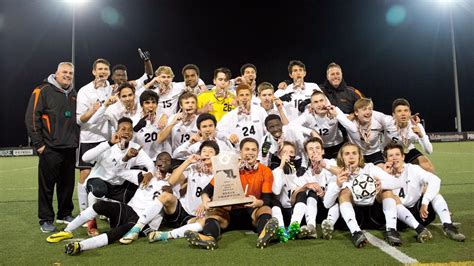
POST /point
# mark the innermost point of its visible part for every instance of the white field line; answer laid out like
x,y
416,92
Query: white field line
x,y
18,188
393,252
17,169
440,224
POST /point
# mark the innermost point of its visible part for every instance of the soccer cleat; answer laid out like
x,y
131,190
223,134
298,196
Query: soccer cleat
x,y
48,227
359,239
282,234
65,220
60,236
424,236
307,231
392,237
154,236
196,239
452,232
267,233
92,228
293,230
72,248
130,236
327,228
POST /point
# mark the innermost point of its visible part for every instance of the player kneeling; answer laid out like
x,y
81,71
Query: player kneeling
x,y
355,189
423,201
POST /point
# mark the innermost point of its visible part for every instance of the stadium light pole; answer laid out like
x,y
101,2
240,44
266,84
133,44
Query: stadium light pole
x,y
450,5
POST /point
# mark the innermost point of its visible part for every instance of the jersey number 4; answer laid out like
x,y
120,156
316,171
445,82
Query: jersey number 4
x,y
401,194
247,132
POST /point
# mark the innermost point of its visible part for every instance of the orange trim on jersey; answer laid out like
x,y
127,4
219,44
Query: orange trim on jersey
x,y
36,92
46,118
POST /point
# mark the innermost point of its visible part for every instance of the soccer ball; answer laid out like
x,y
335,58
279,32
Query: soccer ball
x,y
363,186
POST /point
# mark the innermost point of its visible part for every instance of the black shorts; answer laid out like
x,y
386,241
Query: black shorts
x,y
370,217
122,193
83,148
415,210
412,155
374,158
179,218
331,152
240,219
122,218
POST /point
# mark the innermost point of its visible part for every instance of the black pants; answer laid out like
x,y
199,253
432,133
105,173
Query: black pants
x,y
100,188
122,218
56,167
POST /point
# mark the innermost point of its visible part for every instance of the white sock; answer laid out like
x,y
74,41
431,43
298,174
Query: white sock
x,y
348,214
179,232
405,216
94,242
276,212
298,211
441,208
83,217
81,196
91,199
390,211
311,211
333,214
150,212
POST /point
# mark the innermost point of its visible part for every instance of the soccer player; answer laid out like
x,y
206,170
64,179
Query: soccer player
x,y
248,76
244,121
218,100
52,127
111,158
146,125
324,118
299,90
419,192
408,132
258,181
192,82
122,216
197,171
267,100
89,99
183,124
366,129
350,159
206,124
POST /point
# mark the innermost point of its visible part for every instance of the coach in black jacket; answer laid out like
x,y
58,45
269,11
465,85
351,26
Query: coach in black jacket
x,y
51,123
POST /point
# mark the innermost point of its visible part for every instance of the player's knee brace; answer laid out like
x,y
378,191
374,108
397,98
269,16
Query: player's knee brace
x,y
211,228
97,187
301,197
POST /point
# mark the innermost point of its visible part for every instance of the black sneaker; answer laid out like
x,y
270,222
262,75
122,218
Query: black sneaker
x,y
267,233
392,237
48,227
65,220
201,241
359,239
72,248
452,232
424,236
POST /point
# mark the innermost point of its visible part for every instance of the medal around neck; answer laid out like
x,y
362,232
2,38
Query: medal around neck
x,y
227,186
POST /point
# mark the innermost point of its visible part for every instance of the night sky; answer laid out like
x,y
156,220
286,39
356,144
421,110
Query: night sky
x,y
387,49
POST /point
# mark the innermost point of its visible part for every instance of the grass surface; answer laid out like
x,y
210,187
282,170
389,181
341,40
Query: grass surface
x,y
24,244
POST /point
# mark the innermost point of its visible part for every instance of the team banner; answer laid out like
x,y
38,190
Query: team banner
x,y
19,151
451,136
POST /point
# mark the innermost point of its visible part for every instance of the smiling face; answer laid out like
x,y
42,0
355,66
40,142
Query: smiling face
x,y
364,114
163,162
101,71
127,97
188,105
396,157
275,128
119,76
249,75
334,76
249,152
191,78
64,75
125,131
207,128
319,103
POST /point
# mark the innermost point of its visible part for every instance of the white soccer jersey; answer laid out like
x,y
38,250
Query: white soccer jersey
x,y
380,123
186,149
86,98
113,113
168,103
147,136
414,179
181,133
298,95
274,110
109,165
143,199
406,137
196,183
252,125
323,179
284,185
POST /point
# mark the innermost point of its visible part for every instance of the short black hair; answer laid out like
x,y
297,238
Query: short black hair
x,y
226,71
164,153
125,85
190,66
119,67
211,144
124,120
248,139
400,101
245,66
392,146
149,95
311,140
295,63
271,117
204,117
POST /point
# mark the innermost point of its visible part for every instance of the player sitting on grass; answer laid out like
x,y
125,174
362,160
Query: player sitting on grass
x,y
352,164
122,215
258,180
197,170
419,192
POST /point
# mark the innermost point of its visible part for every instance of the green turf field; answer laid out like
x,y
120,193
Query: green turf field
x,y
23,243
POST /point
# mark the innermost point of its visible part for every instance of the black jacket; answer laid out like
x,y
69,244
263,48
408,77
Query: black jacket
x,y
51,117
343,97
